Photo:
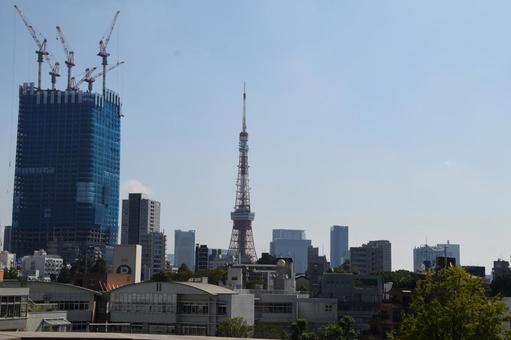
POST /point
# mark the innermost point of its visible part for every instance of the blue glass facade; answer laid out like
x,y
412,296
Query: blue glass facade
x,y
66,187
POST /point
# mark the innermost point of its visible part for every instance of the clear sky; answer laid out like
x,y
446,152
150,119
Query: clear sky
x,y
392,117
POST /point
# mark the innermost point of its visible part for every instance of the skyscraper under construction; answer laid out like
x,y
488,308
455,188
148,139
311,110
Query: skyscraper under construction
x,y
242,240
66,179
66,183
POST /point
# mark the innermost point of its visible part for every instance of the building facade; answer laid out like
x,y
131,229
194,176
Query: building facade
x,y
424,257
184,248
338,245
291,243
127,259
41,265
7,260
8,238
66,181
178,307
373,257
140,216
201,258
140,224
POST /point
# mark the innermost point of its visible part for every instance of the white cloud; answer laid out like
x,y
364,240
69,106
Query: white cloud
x,y
134,186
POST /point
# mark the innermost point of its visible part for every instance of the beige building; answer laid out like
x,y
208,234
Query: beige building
x,y
186,308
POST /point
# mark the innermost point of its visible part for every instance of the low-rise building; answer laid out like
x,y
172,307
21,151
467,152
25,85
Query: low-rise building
x,y
78,302
358,295
41,265
186,308
7,260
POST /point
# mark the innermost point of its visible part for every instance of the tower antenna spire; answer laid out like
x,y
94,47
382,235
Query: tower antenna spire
x,y
244,109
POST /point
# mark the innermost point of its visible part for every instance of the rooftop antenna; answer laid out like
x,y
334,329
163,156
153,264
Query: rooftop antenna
x,y
70,56
40,41
103,44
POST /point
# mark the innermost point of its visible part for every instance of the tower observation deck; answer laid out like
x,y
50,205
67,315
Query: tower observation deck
x,y
242,240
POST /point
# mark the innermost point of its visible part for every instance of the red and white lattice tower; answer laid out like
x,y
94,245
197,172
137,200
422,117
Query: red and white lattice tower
x,y
242,240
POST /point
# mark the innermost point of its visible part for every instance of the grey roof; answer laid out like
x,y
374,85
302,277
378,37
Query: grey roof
x,y
208,288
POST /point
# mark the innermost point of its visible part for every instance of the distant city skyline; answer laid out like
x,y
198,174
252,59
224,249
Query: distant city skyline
x,y
389,117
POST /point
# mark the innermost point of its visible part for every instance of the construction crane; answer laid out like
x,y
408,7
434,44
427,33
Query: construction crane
x,y
88,73
54,69
103,44
40,42
70,55
90,79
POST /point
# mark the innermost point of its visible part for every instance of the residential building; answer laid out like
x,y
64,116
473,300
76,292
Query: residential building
x,y
140,224
7,260
186,308
184,248
338,245
66,180
358,295
41,265
291,243
127,259
140,216
424,257
201,258
373,257
8,238
316,266
153,254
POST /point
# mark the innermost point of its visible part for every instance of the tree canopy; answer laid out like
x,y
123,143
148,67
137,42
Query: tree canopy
x,y
234,328
451,304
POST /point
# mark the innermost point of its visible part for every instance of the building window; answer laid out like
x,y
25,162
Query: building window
x,y
328,308
221,309
275,308
192,308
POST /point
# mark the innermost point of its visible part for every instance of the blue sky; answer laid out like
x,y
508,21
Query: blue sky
x,y
389,116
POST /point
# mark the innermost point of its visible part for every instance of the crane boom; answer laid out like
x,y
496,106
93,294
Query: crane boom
x,y
92,79
88,73
70,58
103,43
40,41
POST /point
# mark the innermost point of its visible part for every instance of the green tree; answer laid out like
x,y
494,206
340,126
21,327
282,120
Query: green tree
x,y
343,329
401,279
300,331
452,305
11,274
234,328
65,275
183,273
163,276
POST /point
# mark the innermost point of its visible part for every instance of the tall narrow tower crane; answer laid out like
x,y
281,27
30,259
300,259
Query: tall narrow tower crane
x,y
54,69
90,79
103,44
40,42
70,56
88,73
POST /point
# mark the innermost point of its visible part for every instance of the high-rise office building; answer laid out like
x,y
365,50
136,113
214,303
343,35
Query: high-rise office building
x,y
291,243
66,182
140,224
201,258
184,248
338,245
8,238
425,256
373,257
140,216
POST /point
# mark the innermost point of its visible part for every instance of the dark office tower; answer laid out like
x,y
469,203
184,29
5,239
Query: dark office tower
x,y
140,216
7,238
242,240
338,245
201,258
66,185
